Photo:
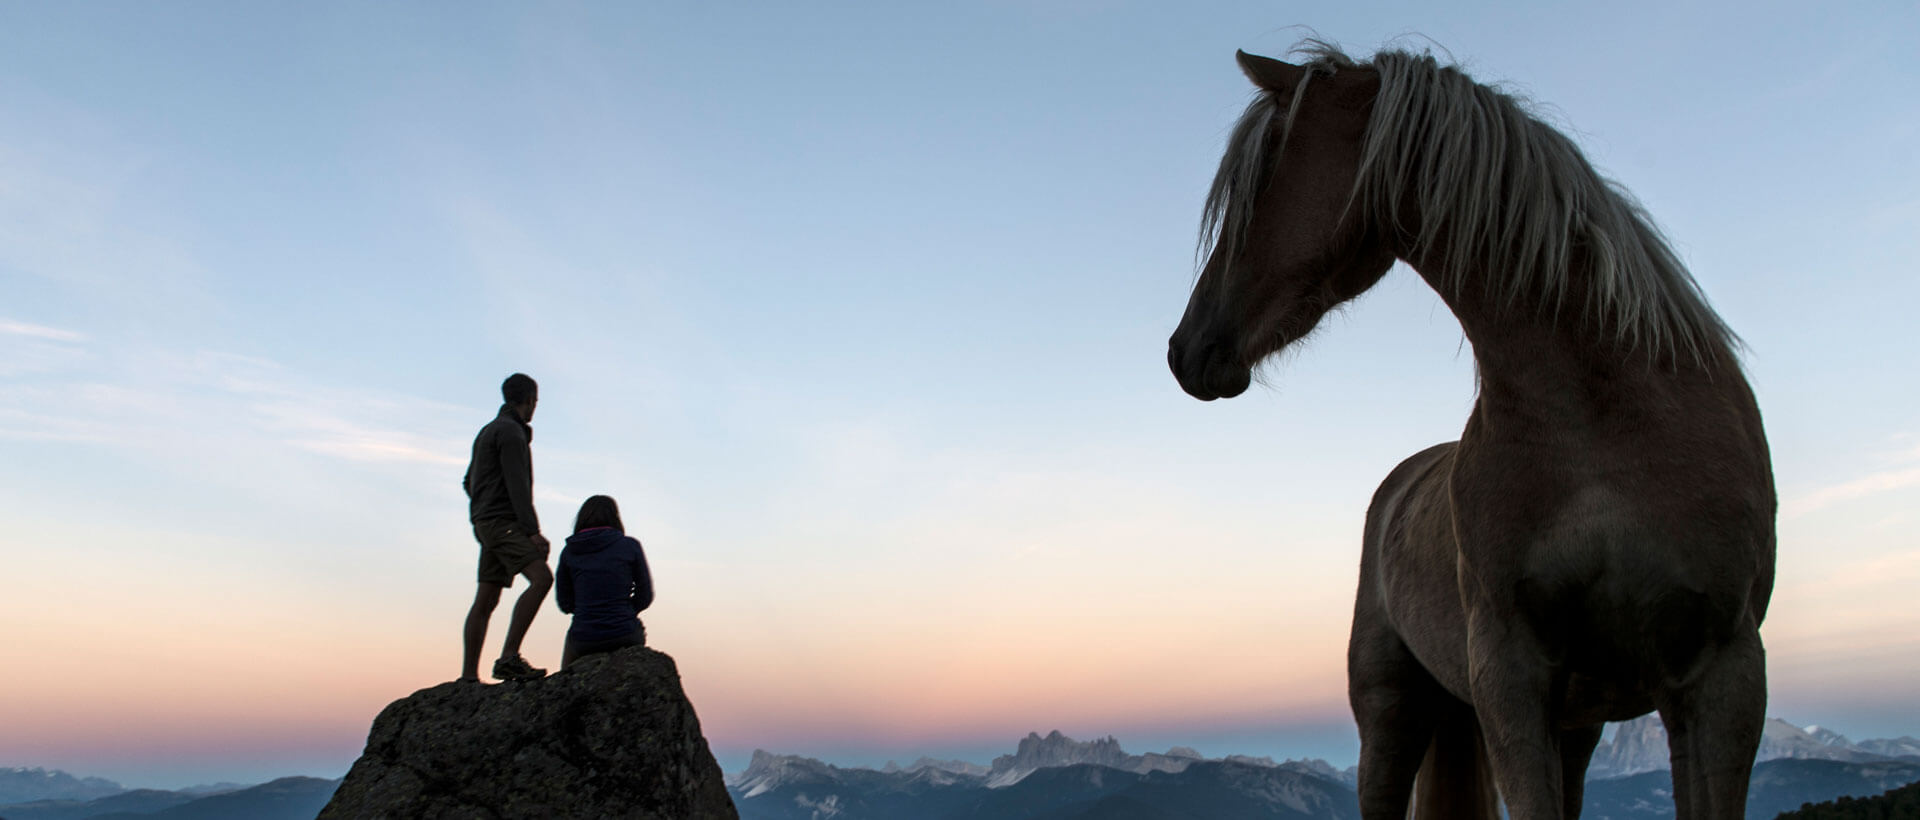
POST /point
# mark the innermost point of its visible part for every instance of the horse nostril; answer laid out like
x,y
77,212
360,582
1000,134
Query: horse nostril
x,y
1191,358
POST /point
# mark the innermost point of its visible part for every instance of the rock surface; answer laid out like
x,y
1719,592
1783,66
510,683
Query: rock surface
x,y
614,736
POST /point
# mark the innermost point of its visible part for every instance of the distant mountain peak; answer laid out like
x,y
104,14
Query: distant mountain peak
x,y
19,785
1057,750
1640,745
1829,737
768,771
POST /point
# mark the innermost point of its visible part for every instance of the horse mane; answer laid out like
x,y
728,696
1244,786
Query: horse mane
x,y
1514,198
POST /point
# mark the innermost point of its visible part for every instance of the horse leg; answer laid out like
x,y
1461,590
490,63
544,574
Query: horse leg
x,y
1456,782
1511,687
1714,721
1394,702
1576,751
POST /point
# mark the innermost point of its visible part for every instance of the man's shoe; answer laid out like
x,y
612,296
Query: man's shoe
x,y
516,668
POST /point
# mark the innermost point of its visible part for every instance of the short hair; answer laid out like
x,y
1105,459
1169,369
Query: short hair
x,y
598,511
519,388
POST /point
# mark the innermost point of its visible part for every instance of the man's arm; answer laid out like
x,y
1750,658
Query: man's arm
x,y
516,470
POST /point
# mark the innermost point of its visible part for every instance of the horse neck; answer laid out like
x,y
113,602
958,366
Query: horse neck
x,y
1561,402
1551,364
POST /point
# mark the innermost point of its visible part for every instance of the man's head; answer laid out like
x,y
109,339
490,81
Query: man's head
x,y
521,394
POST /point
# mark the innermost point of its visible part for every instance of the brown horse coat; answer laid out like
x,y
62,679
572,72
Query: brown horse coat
x,y
1599,543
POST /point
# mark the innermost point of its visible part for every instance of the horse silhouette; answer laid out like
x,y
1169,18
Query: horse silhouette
x,y
1599,543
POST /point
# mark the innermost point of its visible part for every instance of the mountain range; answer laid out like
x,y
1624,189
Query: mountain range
x,y
1778,785
1055,777
1640,745
1058,778
21,785
288,798
1083,791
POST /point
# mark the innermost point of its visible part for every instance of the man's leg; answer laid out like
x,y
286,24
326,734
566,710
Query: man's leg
x,y
484,600
539,580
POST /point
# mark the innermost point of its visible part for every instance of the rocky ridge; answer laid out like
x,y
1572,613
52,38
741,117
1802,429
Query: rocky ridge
x,y
1640,745
953,766
613,736
767,771
1056,750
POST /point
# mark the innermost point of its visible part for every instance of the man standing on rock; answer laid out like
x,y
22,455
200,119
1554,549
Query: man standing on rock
x,y
499,486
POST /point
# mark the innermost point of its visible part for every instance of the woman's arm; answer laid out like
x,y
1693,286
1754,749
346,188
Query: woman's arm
x,y
563,585
642,580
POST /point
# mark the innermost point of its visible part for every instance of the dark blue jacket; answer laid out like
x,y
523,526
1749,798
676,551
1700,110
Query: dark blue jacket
x,y
603,582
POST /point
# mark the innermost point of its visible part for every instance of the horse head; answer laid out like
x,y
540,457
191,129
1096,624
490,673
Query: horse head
x,y
1286,243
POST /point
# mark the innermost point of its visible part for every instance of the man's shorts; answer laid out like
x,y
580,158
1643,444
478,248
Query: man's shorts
x,y
505,549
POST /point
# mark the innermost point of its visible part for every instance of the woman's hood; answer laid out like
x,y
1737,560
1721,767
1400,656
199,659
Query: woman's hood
x,y
594,540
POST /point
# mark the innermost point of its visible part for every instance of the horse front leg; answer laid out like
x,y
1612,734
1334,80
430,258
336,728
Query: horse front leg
x,y
1576,751
1512,683
1396,704
1714,721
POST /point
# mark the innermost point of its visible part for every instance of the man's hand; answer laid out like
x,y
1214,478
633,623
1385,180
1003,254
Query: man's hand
x,y
539,540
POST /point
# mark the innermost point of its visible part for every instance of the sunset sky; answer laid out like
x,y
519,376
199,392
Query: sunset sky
x,y
860,311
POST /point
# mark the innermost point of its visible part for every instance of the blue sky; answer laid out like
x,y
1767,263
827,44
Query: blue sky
x,y
861,311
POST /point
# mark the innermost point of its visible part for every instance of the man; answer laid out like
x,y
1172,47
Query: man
x,y
499,486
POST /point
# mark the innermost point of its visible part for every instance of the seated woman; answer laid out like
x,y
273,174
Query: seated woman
x,y
603,582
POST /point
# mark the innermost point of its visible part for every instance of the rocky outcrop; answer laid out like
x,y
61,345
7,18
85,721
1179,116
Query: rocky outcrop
x,y
1638,745
614,736
1053,751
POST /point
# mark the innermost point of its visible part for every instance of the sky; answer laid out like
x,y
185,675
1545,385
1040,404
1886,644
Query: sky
x,y
860,311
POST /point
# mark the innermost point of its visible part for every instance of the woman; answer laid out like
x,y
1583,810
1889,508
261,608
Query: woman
x,y
602,582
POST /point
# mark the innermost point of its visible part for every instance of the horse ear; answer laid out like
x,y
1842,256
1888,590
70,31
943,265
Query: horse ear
x,y
1269,73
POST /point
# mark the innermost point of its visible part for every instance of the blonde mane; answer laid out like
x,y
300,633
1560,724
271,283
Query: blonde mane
x,y
1513,197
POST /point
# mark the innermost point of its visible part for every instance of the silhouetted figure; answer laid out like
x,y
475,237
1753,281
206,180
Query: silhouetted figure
x,y
499,486
604,583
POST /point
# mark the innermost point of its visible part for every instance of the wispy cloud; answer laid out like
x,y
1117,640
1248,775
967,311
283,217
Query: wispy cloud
x,y
1873,483
328,433
27,348
348,424
144,398
31,331
373,449
21,425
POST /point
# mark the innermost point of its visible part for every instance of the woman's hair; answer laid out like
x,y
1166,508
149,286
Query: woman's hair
x,y
598,511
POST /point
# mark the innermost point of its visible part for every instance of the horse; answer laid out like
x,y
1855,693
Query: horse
x,y
1599,542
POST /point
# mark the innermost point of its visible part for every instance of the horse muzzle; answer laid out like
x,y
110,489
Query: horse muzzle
x,y
1207,371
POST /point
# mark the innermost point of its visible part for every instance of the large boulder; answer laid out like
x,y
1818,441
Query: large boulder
x,y
613,736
